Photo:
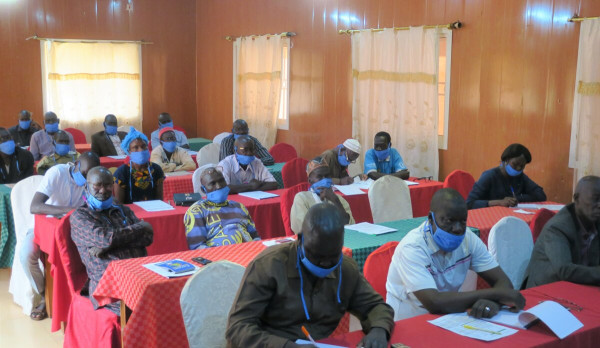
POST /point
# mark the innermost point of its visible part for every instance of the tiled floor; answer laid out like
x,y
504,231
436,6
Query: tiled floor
x,y
17,329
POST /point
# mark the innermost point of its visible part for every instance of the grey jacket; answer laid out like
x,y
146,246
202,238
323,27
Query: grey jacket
x,y
556,254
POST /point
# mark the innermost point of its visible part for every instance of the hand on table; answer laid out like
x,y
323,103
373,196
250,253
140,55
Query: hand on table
x,y
512,299
255,184
346,180
506,202
376,338
362,177
484,309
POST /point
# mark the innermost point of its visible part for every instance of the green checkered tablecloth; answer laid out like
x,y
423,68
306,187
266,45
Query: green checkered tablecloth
x,y
198,143
276,171
362,245
7,237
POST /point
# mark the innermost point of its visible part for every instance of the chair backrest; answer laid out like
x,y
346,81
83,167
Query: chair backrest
x,y
123,129
208,154
294,172
206,300
355,168
389,198
377,266
539,221
78,136
196,177
511,244
69,255
20,200
461,181
283,152
287,200
180,129
219,137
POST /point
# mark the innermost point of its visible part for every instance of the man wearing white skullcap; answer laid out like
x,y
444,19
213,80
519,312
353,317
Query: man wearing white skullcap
x,y
339,158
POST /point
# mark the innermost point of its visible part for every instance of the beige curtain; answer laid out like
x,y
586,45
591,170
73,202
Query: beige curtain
x,y
257,84
395,90
83,82
585,127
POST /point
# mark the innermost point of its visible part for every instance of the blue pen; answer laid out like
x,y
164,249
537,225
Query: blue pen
x,y
513,192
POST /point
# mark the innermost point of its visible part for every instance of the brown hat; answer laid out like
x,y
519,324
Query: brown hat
x,y
314,164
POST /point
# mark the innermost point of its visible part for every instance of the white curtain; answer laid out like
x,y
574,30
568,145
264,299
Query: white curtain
x,y
395,90
83,82
257,84
585,126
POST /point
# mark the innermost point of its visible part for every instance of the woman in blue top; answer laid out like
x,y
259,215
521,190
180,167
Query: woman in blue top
x,y
140,179
506,185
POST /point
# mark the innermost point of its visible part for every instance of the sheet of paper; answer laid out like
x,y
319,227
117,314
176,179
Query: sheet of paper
x,y
117,157
506,317
369,228
165,272
539,206
272,242
350,190
467,326
521,211
410,183
180,173
258,194
555,316
319,345
154,205
363,184
192,152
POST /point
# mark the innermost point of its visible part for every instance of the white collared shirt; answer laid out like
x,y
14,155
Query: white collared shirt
x,y
234,174
60,187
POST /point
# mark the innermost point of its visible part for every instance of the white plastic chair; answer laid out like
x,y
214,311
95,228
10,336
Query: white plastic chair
x,y
219,137
196,177
355,168
510,243
208,154
20,198
206,300
389,198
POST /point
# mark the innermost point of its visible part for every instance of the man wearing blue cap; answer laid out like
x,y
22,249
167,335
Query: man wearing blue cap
x,y
22,132
42,141
108,141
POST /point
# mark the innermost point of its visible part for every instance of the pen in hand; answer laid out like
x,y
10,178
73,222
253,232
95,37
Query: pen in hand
x,y
307,335
513,193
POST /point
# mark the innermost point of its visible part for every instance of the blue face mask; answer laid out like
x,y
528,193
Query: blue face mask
x,y
8,147
325,182
62,149
97,204
217,196
140,157
51,127
446,240
342,158
236,136
163,125
382,155
110,130
243,159
511,171
25,124
169,146
314,269
78,177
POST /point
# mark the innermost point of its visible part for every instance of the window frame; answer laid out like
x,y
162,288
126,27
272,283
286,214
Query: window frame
x,y
447,34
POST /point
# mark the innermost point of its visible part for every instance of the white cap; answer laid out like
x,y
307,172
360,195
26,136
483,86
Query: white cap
x,y
352,145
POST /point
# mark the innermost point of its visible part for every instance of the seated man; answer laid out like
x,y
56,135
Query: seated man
x,y
217,221
22,132
62,153
338,160
430,264
104,232
164,120
320,191
169,156
60,191
244,172
240,127
15,163
383,159
42,142
300,283
568,248
108,141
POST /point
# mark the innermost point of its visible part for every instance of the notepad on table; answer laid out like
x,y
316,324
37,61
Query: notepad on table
x,y
117,157
369,228
318,345
464,325
154,205
172,268
258,194
554,207
350,190
410,183
178,173
272,242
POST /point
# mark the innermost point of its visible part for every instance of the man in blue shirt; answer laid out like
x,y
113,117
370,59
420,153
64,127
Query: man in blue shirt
x,y
384,160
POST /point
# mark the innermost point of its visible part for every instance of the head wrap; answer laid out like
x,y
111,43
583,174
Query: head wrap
x,y
352,145
131,136
163,130
314,164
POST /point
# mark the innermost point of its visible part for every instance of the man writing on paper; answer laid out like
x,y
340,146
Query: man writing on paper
x,y
217,221
430,264
383,159
568,248
339,158
306,283
243,171
104,232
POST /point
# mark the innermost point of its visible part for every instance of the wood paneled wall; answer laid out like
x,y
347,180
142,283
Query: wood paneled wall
x,y
513,72
168,66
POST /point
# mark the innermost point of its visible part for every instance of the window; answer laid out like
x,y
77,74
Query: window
x,y
283,118
444,63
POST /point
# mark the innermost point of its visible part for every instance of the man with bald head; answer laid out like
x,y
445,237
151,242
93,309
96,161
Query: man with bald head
x,y
300,284
108,141
42,141
243,171
431,262
15,163
62,153
165,120
22,132
568,248
217,221
104,231
240,128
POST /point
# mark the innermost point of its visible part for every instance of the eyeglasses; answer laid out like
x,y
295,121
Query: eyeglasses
x,y
569,305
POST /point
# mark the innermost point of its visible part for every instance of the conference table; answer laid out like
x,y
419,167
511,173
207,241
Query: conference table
x,y
81,148
197,143
580,299
7,227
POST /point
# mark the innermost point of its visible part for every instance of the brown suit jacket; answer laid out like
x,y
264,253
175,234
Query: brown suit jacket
x,y
102,145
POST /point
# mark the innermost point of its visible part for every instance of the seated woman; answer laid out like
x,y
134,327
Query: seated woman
x,y
320,191
506,185
140,179
169,156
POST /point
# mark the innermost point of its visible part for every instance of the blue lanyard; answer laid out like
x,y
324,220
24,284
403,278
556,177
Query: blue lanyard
x,y
131,174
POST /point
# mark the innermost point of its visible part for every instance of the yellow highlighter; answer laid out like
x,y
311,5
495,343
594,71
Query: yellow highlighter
x,y
479,329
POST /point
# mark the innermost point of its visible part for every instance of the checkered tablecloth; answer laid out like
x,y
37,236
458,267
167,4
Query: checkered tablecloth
x,y
485,218
7,233
197,143
275,169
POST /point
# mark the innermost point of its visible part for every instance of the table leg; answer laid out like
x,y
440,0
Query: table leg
x,y
123,322
49,284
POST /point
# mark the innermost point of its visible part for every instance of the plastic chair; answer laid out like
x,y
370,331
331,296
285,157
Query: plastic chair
x,y
461,181
287,200
355,169
389,198
78,136
180,129
20,198
539,221
511,244
208,154
283,152
294,172
219,137
196,177
206,300
377,266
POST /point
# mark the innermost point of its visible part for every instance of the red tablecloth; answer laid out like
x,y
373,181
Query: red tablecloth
x,y
108,162
81,148
417,332
177,184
